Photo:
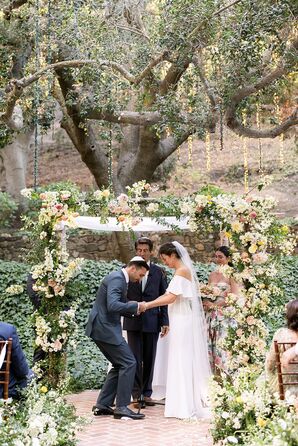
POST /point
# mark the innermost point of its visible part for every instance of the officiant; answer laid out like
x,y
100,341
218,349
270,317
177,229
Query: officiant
x,y
143,330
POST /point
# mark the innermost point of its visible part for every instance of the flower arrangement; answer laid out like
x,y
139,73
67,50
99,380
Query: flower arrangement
x,y
246,413
41,418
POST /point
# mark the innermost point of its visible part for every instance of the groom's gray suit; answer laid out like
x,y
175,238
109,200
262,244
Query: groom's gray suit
x,y
104,327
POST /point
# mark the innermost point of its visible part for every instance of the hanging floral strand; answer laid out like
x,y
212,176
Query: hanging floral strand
x,y
208,155
245,155
281,137
261,171
36,96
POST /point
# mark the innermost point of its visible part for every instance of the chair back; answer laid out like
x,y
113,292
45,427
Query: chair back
x,y
286,377
5,361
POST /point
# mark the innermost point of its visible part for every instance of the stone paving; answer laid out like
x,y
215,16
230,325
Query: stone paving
x,y
152,431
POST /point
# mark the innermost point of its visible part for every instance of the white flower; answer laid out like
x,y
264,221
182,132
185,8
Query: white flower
x,y
42,235
282,424
232,440
152,207
98,195
26,192
225,415
13,290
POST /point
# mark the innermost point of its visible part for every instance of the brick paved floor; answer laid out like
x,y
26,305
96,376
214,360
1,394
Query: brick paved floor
x,y
154,430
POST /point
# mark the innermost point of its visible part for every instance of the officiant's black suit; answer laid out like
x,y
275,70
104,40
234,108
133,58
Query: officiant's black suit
x,y
143,330
104,327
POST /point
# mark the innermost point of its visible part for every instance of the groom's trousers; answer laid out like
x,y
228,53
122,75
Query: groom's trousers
x,y
120,379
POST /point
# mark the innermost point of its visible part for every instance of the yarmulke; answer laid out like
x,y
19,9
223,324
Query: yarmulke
x,y
137,259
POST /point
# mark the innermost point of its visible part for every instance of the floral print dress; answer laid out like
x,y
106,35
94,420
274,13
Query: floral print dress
x,y
217,325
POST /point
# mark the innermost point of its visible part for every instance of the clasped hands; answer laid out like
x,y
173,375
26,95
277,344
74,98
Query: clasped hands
x,y
142,307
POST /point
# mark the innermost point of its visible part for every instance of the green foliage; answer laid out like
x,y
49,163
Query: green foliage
x,y
286,280
7,209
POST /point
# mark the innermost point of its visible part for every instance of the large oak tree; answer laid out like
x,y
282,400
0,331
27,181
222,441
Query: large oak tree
x,y
152,73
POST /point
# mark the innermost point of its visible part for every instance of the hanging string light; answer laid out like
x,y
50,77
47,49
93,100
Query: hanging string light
x,y
221,129
190,148
110,157
259,141
36,97
208,154
281,137
245,154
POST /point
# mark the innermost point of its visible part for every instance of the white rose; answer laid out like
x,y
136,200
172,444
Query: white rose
x,y
232,440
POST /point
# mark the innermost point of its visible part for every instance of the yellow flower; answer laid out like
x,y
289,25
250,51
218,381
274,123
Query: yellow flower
x,y
236,226
43,389
106,193
261,422
239,399
228,234
253,248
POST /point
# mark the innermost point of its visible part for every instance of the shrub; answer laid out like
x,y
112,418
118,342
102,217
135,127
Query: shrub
x,y
8,208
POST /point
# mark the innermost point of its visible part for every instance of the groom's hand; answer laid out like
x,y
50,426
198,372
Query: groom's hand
x,y
141,307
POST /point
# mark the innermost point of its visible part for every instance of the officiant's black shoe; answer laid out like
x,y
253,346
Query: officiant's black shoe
x,y
102,410
125,412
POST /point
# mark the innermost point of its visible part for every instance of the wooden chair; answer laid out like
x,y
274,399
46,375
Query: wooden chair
x,y
5,354
282,374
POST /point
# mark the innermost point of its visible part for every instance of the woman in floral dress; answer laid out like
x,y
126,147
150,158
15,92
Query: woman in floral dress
x,y
214,300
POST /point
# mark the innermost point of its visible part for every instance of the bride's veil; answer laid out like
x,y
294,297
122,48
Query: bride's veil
x,y
201,365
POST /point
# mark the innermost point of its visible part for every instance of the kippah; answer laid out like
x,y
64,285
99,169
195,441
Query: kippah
x,y
137,259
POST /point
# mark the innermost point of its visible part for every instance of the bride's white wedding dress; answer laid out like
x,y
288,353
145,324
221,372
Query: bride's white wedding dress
x,y
182,367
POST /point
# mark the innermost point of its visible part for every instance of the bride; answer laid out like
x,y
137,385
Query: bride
x,y
188,369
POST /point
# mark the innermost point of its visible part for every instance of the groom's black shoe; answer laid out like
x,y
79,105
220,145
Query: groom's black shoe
x,y
102,410
124,411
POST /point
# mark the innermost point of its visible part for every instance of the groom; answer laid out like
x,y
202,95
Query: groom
x,y
104,328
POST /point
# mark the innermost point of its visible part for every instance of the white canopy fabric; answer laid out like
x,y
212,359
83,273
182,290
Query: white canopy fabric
x,y
146,225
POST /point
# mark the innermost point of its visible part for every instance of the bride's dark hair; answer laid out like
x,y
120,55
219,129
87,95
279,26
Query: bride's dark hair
x,y
168,249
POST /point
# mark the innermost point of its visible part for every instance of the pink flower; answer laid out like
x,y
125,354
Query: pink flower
x,y
57,345
260,258
253,214
59,206
42,196
250,320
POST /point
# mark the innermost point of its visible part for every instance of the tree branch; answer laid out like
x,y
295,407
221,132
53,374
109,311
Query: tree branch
x,y
126,117
14,4
214,100
240,130
230,116
195,31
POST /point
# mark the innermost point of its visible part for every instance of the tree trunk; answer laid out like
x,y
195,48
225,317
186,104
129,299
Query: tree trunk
x,y
15,156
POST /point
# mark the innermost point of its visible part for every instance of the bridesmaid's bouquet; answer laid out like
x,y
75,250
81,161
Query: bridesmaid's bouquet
x,y
212,292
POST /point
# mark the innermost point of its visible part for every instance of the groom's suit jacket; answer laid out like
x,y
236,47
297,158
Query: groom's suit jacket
x,y
152,320
104,322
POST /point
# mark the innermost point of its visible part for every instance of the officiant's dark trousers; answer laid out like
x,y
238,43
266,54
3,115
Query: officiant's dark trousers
x,y
120,379
143,346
